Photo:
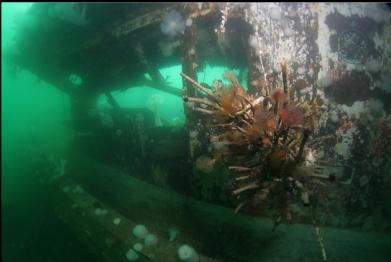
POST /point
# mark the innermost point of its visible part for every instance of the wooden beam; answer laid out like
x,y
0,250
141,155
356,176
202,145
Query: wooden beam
x,y
162,87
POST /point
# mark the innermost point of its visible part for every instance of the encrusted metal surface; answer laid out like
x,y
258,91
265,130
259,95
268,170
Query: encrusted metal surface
x,y
353,47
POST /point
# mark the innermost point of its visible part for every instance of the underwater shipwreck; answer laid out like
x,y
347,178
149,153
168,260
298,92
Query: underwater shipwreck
x,y
285,158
